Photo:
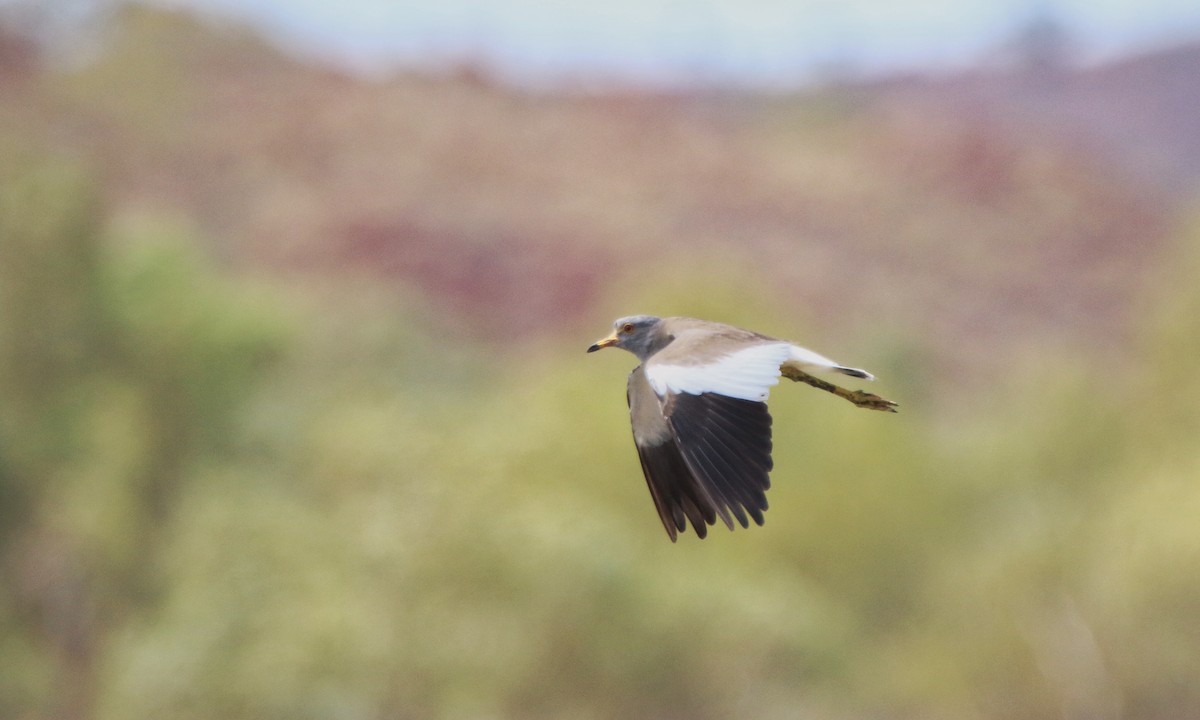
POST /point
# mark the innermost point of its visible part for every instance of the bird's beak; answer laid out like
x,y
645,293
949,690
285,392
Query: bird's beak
x,y
600,344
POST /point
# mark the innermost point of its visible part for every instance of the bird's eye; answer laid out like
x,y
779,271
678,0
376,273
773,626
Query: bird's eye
x,y
627,328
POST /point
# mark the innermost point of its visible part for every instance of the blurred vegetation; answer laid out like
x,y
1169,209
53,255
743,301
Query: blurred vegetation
x,y
119,379
233,489
213,509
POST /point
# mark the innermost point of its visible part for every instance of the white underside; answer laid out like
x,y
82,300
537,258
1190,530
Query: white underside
x,y
748,374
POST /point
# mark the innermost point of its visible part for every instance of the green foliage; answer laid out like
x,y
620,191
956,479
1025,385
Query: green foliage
x,y
50,297
122,364
362,516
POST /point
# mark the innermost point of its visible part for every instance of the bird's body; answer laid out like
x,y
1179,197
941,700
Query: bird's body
x,y
697,403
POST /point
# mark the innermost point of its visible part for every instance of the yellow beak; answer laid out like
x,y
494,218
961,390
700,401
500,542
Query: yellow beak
x,y
600,344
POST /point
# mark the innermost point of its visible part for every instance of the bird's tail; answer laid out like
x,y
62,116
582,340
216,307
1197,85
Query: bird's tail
x,y
853,372
805,358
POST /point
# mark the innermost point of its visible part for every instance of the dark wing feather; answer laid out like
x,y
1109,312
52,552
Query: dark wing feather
x,y
674,489
677,495
727,444
704,456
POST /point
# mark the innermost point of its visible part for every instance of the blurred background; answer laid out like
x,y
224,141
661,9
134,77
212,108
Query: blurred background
x,y
296,419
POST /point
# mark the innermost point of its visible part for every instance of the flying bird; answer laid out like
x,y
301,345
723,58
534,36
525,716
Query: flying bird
x,y
698,405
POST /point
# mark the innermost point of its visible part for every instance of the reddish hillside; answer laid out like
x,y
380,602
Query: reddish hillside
x,y
1139,112
924,207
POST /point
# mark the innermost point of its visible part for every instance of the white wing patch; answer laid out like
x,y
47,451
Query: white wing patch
x,y
747,374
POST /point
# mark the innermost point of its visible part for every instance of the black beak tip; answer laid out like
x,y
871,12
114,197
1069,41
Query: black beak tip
x,y
594,348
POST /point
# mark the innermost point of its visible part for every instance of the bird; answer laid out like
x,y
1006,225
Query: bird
x,y
698,407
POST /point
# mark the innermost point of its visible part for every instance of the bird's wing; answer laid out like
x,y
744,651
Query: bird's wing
x,y
677,494
746,371
726,442
703,434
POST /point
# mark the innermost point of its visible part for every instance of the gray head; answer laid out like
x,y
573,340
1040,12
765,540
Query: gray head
x,y
641,335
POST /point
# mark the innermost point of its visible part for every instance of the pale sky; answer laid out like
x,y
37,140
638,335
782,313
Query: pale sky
x,y
763,41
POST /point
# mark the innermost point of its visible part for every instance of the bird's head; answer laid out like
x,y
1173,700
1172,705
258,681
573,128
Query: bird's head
x,y
639,334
